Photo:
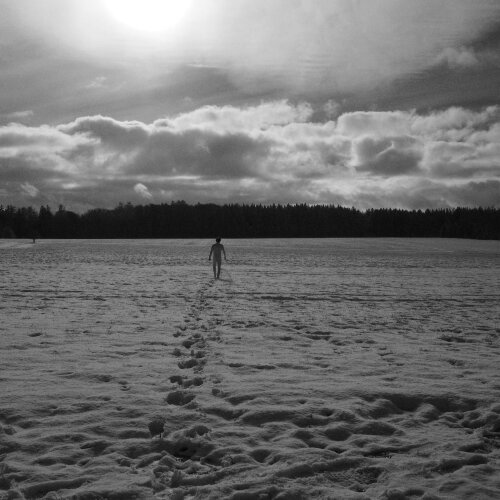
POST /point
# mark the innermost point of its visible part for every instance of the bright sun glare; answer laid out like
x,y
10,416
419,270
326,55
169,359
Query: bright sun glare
x,y
150,16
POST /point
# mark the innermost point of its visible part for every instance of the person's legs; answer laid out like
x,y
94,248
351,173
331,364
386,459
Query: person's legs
x,y
215,267
218,269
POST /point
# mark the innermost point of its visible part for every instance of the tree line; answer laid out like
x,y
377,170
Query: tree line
x,y
181,220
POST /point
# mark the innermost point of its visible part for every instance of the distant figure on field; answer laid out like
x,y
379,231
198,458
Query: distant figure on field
x,y
217,250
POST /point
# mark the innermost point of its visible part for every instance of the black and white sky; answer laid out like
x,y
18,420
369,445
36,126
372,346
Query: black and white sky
x,y
365,103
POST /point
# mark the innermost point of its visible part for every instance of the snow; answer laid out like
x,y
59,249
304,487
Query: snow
x,y
343,368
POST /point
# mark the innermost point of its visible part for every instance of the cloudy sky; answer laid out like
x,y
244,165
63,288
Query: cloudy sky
x,y
365,103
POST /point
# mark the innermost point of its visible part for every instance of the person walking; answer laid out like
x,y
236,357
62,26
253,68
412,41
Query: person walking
x,y
217,250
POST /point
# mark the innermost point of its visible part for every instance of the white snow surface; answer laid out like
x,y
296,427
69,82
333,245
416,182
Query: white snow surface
x,y
338,368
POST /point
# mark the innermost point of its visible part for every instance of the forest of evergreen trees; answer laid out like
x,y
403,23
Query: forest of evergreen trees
x,y
181,220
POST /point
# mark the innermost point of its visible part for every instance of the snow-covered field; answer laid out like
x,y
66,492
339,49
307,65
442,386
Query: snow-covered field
x,y
349,368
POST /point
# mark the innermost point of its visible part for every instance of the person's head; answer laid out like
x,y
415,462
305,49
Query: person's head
x,y
218,239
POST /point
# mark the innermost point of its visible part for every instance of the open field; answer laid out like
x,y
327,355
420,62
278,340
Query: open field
x,y
349,368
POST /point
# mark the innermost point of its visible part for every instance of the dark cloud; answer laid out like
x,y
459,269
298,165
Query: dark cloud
x,y
387,156
392,162
235,155
460,171
22,170
200,153
112,133
468,194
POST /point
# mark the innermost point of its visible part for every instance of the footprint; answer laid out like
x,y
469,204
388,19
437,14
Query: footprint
x,y
196,381
236,400
179,398
197,430
188,363
176,379
188,343
218,392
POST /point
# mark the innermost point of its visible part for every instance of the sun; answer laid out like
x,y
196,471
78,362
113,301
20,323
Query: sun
x,y
149,16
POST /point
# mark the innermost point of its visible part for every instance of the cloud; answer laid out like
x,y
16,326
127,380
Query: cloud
x,y
465,59
332,109
143,191
341,46
454,58
204,154
30,190
108,131
97,83
17,116
388,157
454,123
463,160
222,119
468,193
43,147
368,122
323,45
272,152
